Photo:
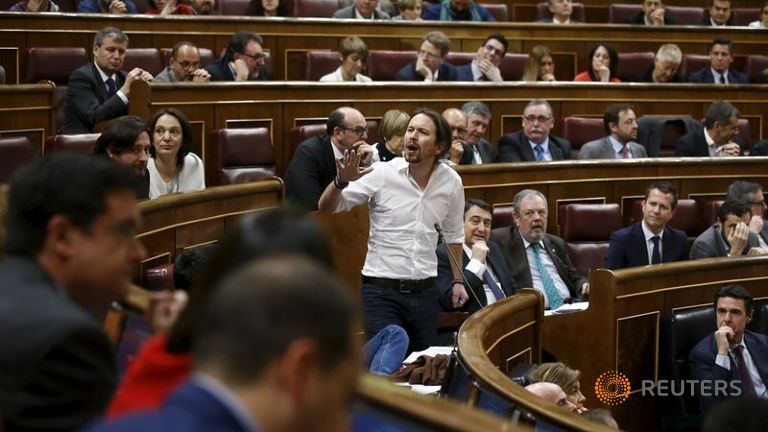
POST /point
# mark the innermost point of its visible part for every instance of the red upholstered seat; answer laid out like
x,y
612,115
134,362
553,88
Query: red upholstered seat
x,y
692,63
159,278
756,67
82,143
142,6
744,16
233,7
145,58
460,58
502,215
711,211
15,152
239,156
686,15
581,130
315,8
316,64
586,229
633,63
498,10
384,65
577,13
54,64
618,12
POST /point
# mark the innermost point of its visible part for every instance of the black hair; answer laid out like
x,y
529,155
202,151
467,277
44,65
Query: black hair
x,y
120,136
614,57
186,133
737,292
736,207
442,129
664,187
476,202
238,43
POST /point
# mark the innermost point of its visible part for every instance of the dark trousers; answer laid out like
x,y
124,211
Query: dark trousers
x,y
416,312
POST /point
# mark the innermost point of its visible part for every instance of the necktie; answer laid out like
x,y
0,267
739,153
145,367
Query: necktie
x,y
111,87
722,79
555,301
495,289
476,159
747,386
655,254
539,152
624,152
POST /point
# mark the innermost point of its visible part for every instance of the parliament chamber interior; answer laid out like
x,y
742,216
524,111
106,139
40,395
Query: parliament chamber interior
x,y
639,321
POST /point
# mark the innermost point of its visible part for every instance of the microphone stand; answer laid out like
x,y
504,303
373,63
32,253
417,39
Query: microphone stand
x,y
452,260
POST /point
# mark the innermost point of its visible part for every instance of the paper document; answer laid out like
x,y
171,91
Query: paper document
x,y
431,351
568,308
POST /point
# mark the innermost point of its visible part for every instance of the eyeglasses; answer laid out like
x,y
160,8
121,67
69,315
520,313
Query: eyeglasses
x,y
360,131
493,50
259,57
540,119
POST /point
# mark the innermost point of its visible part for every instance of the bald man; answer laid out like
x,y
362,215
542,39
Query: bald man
x,y
457,120
551,393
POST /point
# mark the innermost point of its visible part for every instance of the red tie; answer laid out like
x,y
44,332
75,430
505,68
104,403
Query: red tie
x,y
624,152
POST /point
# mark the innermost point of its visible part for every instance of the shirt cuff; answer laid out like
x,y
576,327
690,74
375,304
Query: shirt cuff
x,y
723,361
476,268
122,96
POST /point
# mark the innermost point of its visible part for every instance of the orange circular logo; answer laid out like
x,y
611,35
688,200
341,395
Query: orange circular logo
x,y
612,388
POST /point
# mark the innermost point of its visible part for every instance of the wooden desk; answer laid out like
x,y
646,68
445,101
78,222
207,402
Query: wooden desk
x,y
620,329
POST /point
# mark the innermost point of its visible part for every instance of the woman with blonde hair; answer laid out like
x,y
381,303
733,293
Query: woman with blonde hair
x,y
567,378
391,131
540,66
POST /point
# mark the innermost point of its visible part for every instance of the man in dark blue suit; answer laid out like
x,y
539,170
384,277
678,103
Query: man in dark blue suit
x,y
277,352
721,126
649,241
430,65
721,54
485,269
485,66
733,359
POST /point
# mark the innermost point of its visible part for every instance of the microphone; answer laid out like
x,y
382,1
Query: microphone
x,y
453,262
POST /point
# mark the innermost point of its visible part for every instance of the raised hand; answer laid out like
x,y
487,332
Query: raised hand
x,y
348,167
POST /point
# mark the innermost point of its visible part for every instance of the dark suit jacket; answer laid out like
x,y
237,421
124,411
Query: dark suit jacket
x,y
647,76
444,281
704,76
639,18
349,13
446,72
708,245
692,144
514,147
190,408
703,367
513,249
706,21
219,71
310,171
486,153
627,247
57,369
87,102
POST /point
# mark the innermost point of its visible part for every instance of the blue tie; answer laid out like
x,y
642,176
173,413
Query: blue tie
x,y
495,289
539,152
656,254
555,300
111,87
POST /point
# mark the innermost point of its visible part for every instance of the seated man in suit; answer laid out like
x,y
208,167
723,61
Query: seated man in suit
x,y
457,121
485,66
561,11
126,141
277,353
430,65
476,149
485,269
184,66
719,14
243,60
71,246
733,359
99,91
457,10
752,194
649,241
362,9
620,121
533,142
721,125
535,258
665,65
653,14
204,7
552,393
313,165
729,236
721,55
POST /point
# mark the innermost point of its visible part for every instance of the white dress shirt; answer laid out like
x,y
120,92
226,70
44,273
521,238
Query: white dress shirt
x,y
402,236
190,178
336,76
723,361
477,268
105,77
549,265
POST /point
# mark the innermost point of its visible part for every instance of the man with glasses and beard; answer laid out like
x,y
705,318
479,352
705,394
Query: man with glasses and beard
x,y
243,60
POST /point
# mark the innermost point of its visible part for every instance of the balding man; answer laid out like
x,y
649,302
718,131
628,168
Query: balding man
x,y
665,66
457,120
551,393
313,166
534,142
470,147
184,66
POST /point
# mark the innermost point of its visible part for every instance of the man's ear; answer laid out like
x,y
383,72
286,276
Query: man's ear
x,y
297,369
58,239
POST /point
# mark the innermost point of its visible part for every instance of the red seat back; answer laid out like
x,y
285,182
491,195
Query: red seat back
x,y
498,10
384,65
711,211
756,67
744,16
686,15
692,63
581,130
145,58
233,7
82,143
15,152
586,229
239,156
633,63
618,12
315,8
316,64
502,215
53,64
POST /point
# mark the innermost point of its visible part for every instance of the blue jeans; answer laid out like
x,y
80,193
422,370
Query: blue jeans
x,y
385,352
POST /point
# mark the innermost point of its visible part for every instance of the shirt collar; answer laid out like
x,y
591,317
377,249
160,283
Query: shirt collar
x,y
102,74
616,145
716,75
359,16
226,398
338,154
648,233
555,21
476,73
708,139
544,145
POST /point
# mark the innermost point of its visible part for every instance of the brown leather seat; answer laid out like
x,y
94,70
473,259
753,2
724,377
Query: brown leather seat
x,y
206,56
711,211
502,215
82,143
633,63
686,15
15,152
233,7
744,16
586,229
755,68
145,58
498,10
316,64
512,66
618,12
384,65
692,63
315,8
239,156
581,130
577,13
159,278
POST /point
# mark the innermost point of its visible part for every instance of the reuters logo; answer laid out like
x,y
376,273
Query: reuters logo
x,y
612,388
